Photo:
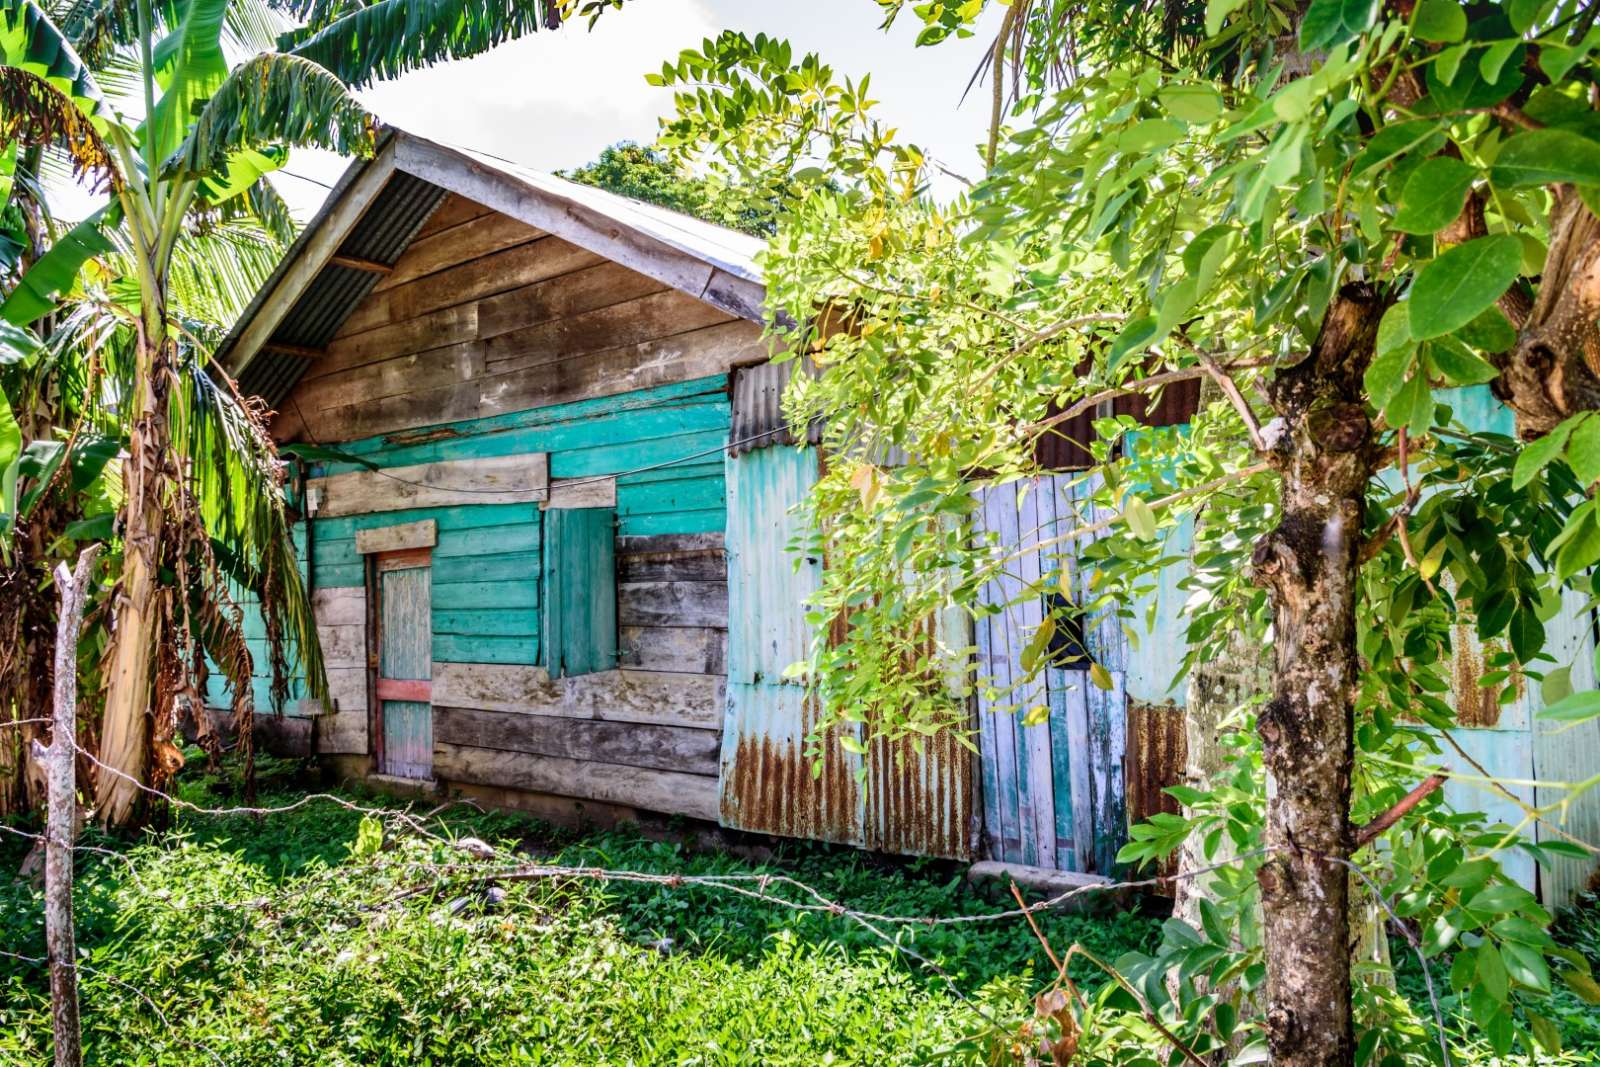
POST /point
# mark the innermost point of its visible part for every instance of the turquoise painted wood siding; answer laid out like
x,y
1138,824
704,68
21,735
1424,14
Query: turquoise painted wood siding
x,y
1052,792
580,586
488,563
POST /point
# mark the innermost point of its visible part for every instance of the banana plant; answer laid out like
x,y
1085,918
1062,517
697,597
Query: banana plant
x,y
193,132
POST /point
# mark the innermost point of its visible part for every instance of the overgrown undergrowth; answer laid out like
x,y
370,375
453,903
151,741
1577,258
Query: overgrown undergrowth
x,y
300,938
286,940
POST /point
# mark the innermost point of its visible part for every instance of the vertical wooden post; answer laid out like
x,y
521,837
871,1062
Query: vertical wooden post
x,y
61,829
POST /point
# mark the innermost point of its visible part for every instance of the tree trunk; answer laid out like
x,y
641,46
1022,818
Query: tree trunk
x,y
125,730
62,826
1322,444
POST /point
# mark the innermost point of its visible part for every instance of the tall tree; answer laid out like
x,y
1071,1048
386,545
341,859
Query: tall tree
x,y
1341,215
208,130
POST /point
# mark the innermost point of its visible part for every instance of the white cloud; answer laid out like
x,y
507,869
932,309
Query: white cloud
x,y
549,100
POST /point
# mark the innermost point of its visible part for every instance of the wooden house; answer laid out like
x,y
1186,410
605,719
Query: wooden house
x,y
548,554
541,574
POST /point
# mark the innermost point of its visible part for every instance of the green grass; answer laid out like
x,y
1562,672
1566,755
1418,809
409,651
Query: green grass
x,y
267,941
278,940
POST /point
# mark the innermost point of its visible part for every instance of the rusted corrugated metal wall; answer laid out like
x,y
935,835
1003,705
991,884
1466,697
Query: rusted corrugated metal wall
x,y
916,796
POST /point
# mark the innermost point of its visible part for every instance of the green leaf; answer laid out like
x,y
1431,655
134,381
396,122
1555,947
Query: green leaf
x,y
1546,1033
1454,288
1217,12
272,99
1136,336
1526,966
1036,715
17,345
1328,23
1586,987
1556,686
56,272
1579,707
1583,451
190,67
1433,195
1545,157
1141,520
1580,547
1537,454
1459,363
1387,372
1489,332
363,43
1394,329
1422,136
1194,104
1440,21
1491,971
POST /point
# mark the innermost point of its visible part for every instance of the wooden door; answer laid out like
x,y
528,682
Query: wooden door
x,y
405,663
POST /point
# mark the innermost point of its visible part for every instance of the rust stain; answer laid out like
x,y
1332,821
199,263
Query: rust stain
x,y
1154,760
1475,705
772,789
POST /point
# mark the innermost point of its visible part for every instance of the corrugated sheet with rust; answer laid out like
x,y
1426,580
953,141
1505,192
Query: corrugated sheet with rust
x,y
758,418
1157,748
1065,446
1571,755
916,799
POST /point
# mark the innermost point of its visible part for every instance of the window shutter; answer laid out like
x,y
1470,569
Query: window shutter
x,y
578,632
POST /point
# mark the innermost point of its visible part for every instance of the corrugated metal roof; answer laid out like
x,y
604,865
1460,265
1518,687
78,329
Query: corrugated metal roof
x,y
758,418
719,246
380,236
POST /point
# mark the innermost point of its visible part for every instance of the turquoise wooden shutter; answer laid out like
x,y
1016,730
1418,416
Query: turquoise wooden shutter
x,y
578,632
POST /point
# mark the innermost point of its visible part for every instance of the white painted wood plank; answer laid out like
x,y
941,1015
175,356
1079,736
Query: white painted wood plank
x,y
497,480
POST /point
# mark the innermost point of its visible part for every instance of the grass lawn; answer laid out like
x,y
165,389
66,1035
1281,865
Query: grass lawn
x,y
288,940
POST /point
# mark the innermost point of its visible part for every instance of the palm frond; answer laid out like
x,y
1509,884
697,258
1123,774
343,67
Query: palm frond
x,y
275,99
236,479
35,112
31,41
363,43
217,268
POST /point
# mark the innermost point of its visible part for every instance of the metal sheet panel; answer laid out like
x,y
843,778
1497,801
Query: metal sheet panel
x,y
911,796
1567,756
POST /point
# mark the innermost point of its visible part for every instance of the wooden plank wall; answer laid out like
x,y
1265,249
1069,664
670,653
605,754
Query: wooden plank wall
x,y
1053,793
490,341
485,315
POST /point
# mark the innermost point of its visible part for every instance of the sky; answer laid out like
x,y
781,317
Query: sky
x,y
553,101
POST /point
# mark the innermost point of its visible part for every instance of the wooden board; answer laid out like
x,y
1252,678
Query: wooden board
x,y
679,649
582,493
672,558
397,538
664,791
673,604
664,698
499,480
667,748
626,369
578,616
344,733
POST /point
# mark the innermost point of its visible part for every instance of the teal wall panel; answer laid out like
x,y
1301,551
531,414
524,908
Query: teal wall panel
x,y
487,562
